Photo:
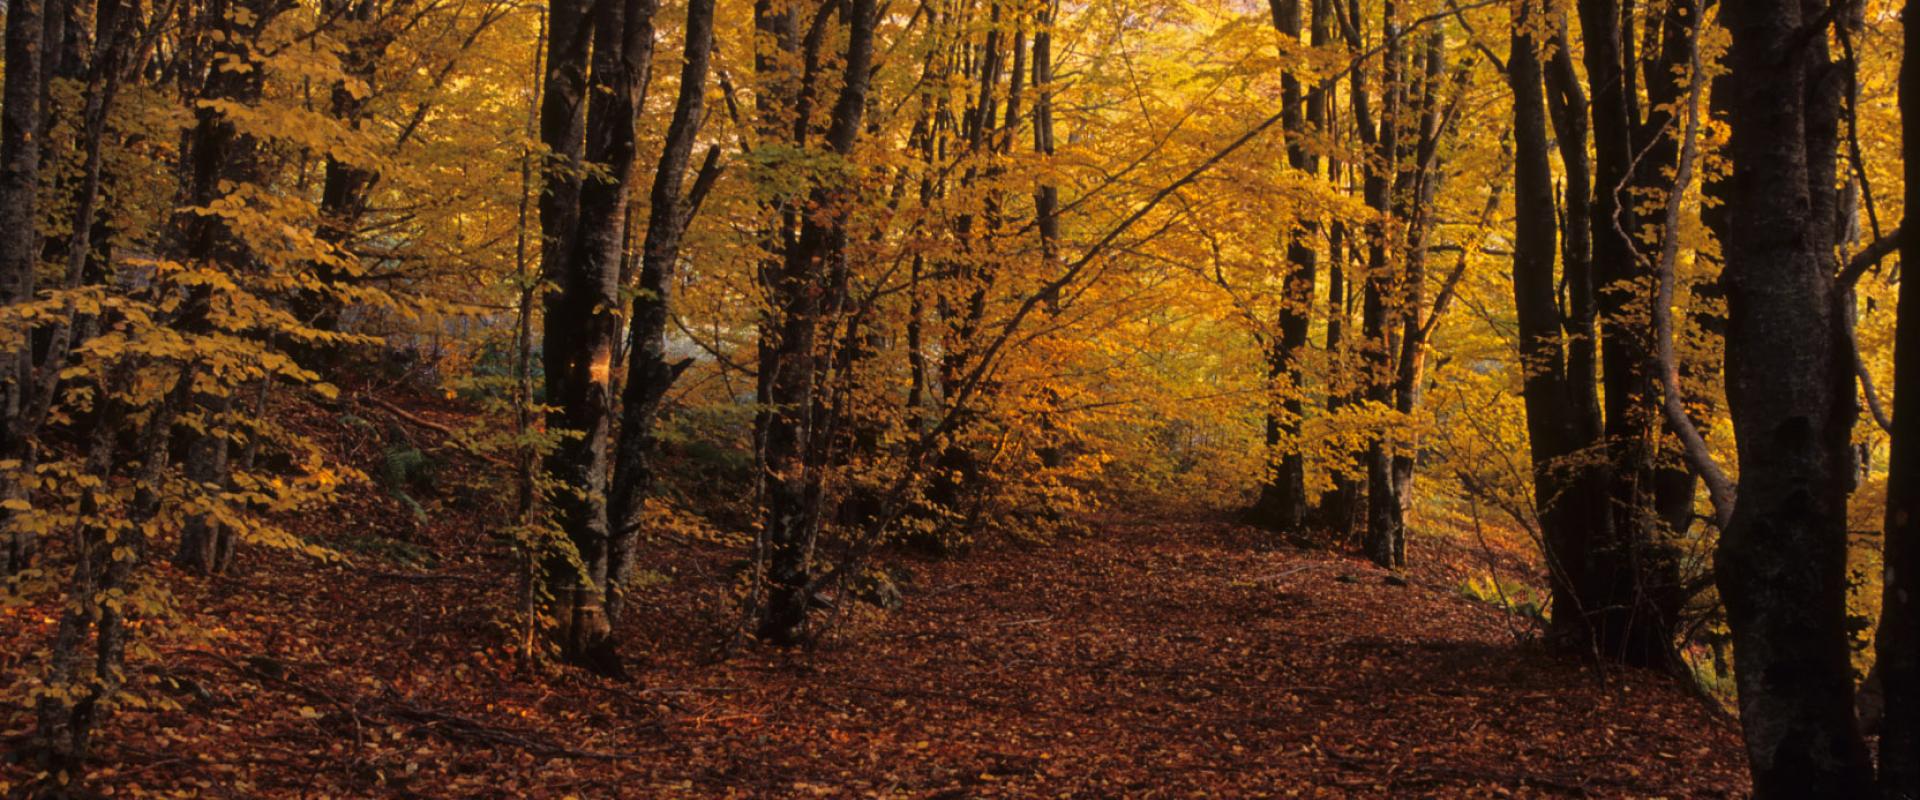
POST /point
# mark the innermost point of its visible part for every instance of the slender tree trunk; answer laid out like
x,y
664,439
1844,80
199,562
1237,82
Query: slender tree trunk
x,y
650,373
1046,198
954,484
1334,516
223,156
1320,113
1781,563
1378,305
20,125
1282,507
1410,362
792,512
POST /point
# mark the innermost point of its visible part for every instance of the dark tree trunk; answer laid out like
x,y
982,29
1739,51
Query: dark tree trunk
x,y
206,546
585,226
1334,516
1898,642
20,125
1570,491
1282,506
792,488
650,373
1341,509
1628,587
1564,495
1379,303
222,156
1568,109
1781,563
346,187
86,249
1046,197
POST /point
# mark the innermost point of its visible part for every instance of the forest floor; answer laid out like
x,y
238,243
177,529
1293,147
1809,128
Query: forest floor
x,y
1142,658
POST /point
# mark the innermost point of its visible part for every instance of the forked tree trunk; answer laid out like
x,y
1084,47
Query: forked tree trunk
x,y
584,223
1562,499
1623,576
650,373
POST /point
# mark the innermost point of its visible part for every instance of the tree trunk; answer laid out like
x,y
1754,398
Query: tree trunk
x,y
84,682
20,125
1410,363
792,488
1563,494
346,187
650,374
1379,303
1629,586
1781,563
1898,642
586,234
222,157
1282,507
1334,517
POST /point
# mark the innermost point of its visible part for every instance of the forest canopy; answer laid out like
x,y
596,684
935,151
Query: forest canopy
x,y
1598,302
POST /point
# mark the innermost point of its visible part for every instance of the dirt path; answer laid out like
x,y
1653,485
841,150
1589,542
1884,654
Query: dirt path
x,y
1146,660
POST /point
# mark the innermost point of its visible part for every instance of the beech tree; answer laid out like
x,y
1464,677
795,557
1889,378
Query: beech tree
x,y
1781,563
1898,642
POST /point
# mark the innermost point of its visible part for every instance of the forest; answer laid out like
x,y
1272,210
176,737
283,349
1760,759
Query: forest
x,y
959,398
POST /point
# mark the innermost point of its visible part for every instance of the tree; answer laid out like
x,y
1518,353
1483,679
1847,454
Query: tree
x,y
20,125
1899,635
598,58
790,467
650,373
1781,562
1282,506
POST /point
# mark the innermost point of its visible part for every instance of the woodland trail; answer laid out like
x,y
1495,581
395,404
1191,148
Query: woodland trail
x,y
1145,659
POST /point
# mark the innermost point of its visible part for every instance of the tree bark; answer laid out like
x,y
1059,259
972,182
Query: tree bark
x,y
584,222
1381,289
222,156
792,514
1898,642
1781,563
1630,599
1563,501
20,128
1282,506
650,372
